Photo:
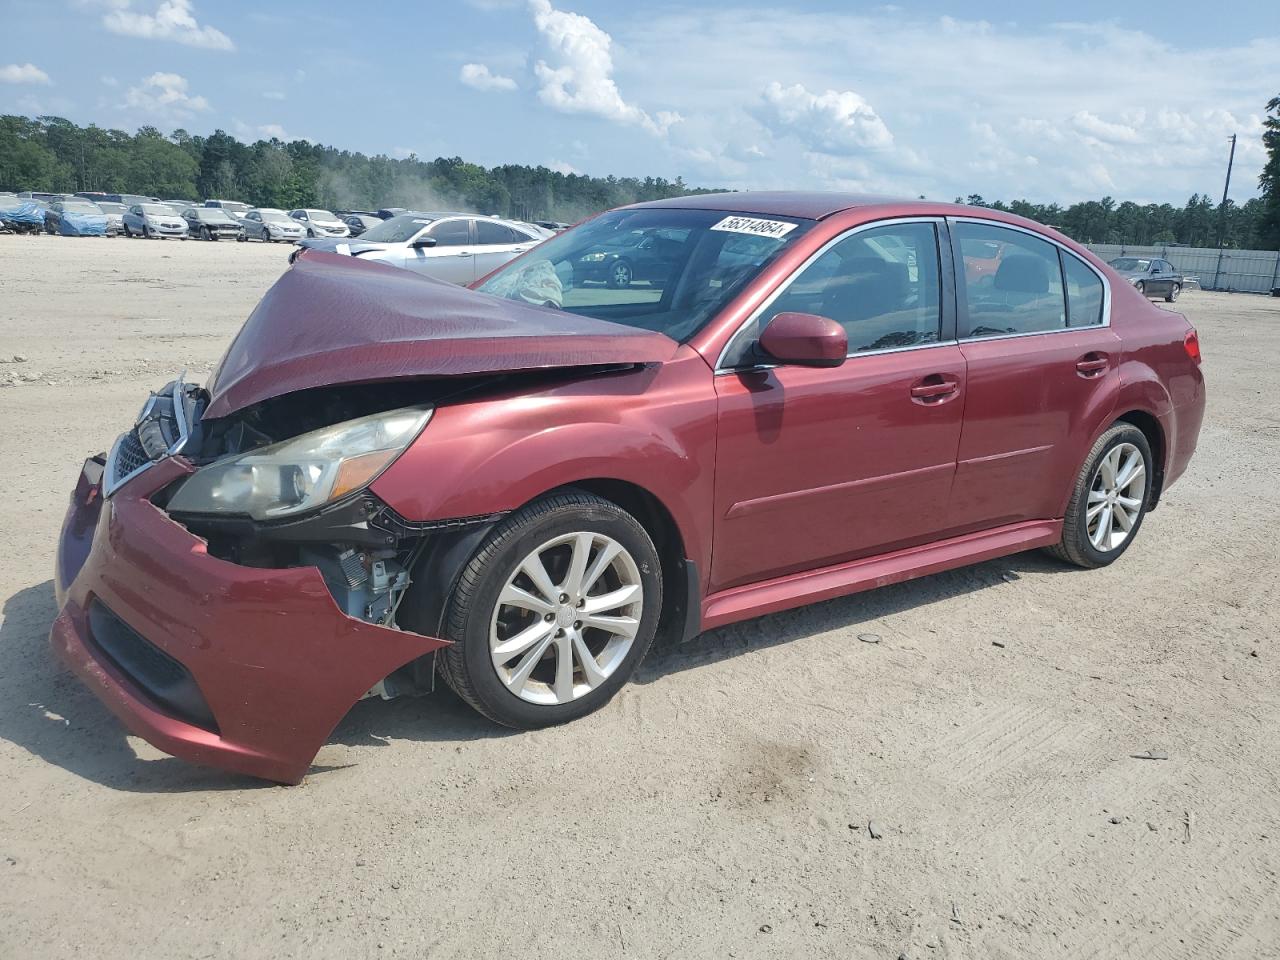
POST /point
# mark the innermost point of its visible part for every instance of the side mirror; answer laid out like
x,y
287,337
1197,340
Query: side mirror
x,y
805,340
424,242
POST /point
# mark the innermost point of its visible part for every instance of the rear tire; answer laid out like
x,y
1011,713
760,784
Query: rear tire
x,y
1113,488
546,679
1172,295
620,275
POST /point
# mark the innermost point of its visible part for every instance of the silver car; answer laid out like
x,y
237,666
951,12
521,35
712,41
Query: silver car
x,y
458,247
321,223
269,226
154,220
115,215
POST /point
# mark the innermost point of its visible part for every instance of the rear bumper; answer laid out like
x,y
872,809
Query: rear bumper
x,y
273,658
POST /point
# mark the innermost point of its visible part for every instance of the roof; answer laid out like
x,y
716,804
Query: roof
x,y
812,205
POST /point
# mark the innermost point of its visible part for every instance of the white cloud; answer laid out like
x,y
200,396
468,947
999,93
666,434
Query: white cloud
x,y
172,20
568,169
1046,112
23,73
829,122
478,76
165,94
579,76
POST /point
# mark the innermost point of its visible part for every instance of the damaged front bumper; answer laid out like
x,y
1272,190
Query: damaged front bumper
x,y
242,668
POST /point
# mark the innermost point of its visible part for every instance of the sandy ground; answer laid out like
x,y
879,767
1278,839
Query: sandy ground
x,y
719,806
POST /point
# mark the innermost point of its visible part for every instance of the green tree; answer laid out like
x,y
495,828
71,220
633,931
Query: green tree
x,y
1267,231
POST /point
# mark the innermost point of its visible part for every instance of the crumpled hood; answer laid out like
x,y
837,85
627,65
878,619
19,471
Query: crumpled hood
x,y
332,319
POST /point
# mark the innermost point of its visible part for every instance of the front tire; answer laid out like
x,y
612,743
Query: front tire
x,y
1172,295
554,612
620,275
1141,288
1109,500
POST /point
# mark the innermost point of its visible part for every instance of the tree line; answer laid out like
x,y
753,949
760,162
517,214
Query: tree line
x,y
53,154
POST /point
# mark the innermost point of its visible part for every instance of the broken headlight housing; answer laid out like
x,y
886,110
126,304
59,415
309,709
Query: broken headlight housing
x,y
298,475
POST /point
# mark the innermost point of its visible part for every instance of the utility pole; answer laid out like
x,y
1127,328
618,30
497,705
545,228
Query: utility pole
x,y
1222,212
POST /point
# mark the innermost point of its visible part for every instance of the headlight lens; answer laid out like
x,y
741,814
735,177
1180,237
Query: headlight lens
x,y
303,473
594,257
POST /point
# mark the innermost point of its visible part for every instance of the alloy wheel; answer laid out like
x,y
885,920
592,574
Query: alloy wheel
x,y
621,275
566,618
1116,496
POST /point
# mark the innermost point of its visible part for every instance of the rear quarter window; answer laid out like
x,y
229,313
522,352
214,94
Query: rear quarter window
x,y
1084,293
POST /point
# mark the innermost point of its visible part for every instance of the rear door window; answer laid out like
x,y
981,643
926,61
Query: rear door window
x,y
1023,294
493,234
1084,292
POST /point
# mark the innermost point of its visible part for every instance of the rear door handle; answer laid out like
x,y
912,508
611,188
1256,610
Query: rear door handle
x,y
933,389
1092,365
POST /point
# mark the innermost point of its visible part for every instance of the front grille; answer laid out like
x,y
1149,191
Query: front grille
x,y
158,676
129,455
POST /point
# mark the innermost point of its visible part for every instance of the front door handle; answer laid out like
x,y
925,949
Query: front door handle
x,y
934,389
1092,365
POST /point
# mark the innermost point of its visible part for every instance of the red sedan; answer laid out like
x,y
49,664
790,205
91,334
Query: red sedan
x,y
517,486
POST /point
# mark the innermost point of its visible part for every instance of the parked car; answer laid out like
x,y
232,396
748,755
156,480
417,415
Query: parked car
x,y
115,216
77,218
458,247
521,483
43,197
320,223
357,223
1151,276
179,205
234,207
386,213
643,255
555,226
211,223
154,220
269,225
19,215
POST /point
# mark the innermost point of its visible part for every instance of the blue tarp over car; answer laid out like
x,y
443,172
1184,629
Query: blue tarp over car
x,y
82,225
18,211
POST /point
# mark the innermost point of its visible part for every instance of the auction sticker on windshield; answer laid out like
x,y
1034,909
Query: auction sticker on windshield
x,y
755,227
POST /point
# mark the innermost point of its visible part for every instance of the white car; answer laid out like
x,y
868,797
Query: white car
x,y
154,220
458,247
320,223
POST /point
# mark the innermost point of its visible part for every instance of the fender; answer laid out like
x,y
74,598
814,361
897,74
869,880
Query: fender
x,y
652,427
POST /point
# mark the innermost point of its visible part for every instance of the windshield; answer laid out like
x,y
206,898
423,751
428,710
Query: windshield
x,y
213,215
158,210
320,215
233,207
276,216
658,269
395,230
81,206
107,207
1130,263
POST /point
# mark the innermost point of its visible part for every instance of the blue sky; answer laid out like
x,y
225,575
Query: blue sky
x,y
919,99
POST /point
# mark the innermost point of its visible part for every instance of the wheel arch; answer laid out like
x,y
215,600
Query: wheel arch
x,y
1154,432
682,602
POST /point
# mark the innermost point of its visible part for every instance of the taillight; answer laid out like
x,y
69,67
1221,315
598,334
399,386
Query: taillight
x,y
1191,343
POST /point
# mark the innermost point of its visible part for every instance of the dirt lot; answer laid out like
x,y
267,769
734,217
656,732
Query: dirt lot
x,y
719,806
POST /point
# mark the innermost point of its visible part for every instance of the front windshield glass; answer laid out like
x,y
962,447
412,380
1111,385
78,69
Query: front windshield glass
x,y
212,215
232,207
1130,263
395,230
320,215
658,269
158,210
276,216
80,206
107,207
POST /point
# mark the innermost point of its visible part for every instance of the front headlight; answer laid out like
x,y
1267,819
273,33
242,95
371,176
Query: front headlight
x,y
594,257
303,473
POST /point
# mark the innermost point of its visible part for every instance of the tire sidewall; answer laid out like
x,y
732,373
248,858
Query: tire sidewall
x,y
473,639
1122,433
